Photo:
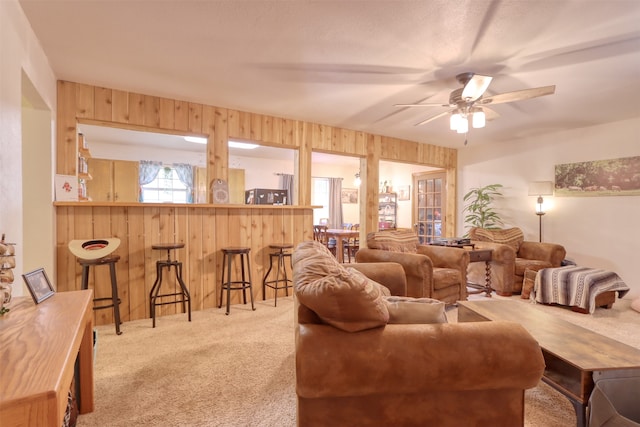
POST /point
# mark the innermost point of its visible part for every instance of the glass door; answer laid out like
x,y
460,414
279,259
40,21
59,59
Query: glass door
x,y
429,205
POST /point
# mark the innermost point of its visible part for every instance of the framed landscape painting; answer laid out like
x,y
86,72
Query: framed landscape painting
x,y
614,177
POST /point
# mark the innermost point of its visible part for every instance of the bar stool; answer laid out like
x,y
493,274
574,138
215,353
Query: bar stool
x,y
287,283
183,293
229,284
111,261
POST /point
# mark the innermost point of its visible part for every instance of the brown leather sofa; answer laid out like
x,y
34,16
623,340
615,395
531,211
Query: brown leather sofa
x,y
432,271
511,256
440,374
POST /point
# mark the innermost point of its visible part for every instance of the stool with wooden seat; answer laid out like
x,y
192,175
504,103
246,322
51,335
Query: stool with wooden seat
x,y
111,261
228,283
278,282
182,293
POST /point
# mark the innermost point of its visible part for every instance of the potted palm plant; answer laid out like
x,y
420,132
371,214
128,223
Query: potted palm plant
x,y
479,209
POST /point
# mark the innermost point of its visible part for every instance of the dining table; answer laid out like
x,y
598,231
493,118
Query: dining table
x,y
340,235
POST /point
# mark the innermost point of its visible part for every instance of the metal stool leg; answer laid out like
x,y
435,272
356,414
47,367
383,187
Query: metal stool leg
x,y
114,297
228,284
250,281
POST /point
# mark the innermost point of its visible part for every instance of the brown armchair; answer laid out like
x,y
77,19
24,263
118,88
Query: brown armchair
x,y
427,374
432,271
512,255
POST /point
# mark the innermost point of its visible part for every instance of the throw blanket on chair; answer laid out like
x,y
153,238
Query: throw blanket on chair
x,y
575,286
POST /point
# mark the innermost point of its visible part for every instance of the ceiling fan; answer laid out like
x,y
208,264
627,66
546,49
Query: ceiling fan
x,y
468,102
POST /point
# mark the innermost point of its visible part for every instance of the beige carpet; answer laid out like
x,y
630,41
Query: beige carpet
x,y
238,370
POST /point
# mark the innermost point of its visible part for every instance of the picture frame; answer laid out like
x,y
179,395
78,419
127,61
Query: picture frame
x,y
404,192
38,284
349,195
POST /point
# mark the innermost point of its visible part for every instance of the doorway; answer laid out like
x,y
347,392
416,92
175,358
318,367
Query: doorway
x,y
429,208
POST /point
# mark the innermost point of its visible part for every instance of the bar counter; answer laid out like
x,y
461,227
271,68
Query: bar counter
x,y
203,228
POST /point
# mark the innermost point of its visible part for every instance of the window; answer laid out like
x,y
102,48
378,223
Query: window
x,y
320,197
166,187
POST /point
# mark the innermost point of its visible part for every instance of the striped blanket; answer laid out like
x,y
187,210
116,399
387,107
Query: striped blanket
x,y
575,286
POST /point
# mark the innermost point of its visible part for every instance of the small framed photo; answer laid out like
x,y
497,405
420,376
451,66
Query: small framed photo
x,y
404,192
349,195
39,285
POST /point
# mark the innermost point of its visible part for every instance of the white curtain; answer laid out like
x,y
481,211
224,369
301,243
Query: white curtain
x,y
148,172
185,173
286,183
335,202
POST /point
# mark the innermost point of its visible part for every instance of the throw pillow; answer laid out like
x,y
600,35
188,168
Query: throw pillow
x,y
511,236
341,297
415,310
393,241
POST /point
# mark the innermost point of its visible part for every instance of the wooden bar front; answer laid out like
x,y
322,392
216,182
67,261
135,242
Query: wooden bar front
x,y
204,229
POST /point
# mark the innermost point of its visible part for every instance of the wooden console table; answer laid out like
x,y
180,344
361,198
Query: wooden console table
x,y
39,345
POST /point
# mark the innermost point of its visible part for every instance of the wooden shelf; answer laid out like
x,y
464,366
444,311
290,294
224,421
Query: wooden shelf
x,y
85,176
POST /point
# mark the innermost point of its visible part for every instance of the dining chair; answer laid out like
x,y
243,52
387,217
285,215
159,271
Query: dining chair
x,y
320,235
352,244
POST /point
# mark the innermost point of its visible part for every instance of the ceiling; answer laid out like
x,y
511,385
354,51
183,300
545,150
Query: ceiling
x,y
346,63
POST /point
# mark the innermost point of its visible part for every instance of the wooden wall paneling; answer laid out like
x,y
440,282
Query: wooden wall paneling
x,y
255,123
102,228
302,166
181,236
268,222
181,115
138,282
244,125
371,178
210,259
136,108
151,111
103,105
450,202
271,129
240,234
167,226
321,137
220,148
360,148
83,229
193,258
151,227
85,101
222,239
289,132
66,135
195,117
119,228
65,261
166,113
233,123
120,108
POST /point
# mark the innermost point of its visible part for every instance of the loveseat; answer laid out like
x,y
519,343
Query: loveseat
x,y
511,257
432,271
361,363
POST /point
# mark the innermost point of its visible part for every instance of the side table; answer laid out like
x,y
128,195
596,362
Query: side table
x,y
481,255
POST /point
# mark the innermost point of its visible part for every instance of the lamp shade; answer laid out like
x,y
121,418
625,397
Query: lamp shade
x,y
541,188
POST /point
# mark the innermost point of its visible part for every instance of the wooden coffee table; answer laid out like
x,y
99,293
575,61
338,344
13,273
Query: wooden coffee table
x,y
571,353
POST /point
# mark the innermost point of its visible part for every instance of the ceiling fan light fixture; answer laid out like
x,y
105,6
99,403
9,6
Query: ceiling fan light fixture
x,y
463,125
454,121
478,118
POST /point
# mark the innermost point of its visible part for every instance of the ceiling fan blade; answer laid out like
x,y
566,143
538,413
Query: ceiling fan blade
x,y
421,105
437,116
489,113
475,87
518,95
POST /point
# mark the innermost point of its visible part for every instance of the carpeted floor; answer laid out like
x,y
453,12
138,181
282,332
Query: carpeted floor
x,y
238,370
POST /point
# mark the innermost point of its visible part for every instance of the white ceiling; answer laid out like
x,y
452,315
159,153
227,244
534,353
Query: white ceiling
x,y
345,63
